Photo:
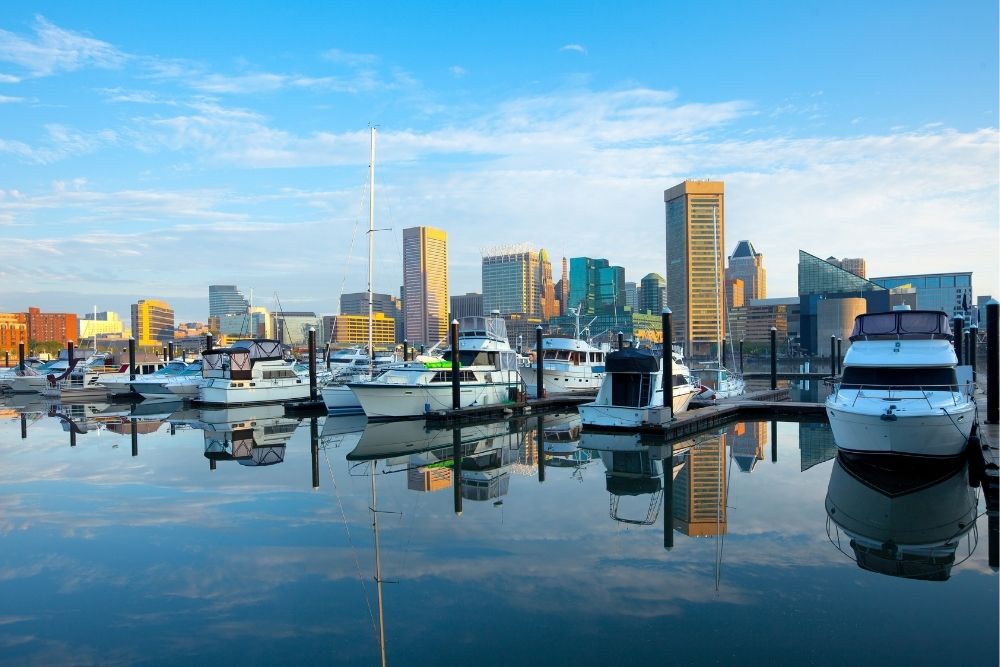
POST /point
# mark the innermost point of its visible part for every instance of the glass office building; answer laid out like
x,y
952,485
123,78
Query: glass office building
x,y
947,292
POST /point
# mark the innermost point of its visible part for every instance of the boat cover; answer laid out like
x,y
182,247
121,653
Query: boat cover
x,y
631,360
902,323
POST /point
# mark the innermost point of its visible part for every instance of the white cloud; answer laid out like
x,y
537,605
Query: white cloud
x,y
7,78
54,49
60,142
574,47
7,99
456,71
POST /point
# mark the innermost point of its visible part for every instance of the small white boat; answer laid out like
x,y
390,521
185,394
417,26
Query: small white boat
x,y
569,365
120,384
250,371
170,386
719,382
488,376
631,395
901,392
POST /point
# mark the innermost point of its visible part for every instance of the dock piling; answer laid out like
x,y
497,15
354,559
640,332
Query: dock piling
x,y
993,362
840,356
774,442
312,363
406,351
621,340
208,342
666,323
456,394
956,330
833,355
135,436
541,448
170,351
20,356
24,426
131,358
314,449
774,358
456,468
973,348
539,364
668,498
741,356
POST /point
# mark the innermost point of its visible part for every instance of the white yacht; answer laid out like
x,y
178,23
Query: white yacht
x,y
250,371
568,365
900,392
488,376
719,382
35,380
631,395
175,385
121,384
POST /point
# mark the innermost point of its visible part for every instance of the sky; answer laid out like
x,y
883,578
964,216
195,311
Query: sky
x,y
148,150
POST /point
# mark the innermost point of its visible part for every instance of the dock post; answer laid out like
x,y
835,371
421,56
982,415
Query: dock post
x,y
456,468
164,351
314,450
170,351
774,442
541,448
135,436
993,362
666,322
539,365
24,426
774,358
312,363
973,348
69,352
668,498
741,356
956,330
456,392
20,356
833,355
621,340
406,351
208,342
840,356
131,358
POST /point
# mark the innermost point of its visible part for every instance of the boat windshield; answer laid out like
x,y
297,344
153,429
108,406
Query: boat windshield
x,y
930,379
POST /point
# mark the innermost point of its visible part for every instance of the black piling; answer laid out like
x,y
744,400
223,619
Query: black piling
x,y
170,351
621,340
208,342
211,464
135,436
774,358
541,448
164,350
956,329
741,356
456,468
456,391
668,499
993,539
20,356
722,352
72,433
69,352
666,322
312,363
406,351
539,364
973,348
774,442
131,358
965,347
840,356
833,355
993,362
314,449
24,426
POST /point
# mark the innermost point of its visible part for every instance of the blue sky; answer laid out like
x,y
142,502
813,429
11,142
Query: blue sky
x,y
147,151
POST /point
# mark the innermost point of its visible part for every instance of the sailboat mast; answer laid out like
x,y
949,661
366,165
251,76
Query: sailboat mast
x,y
371,250
378,567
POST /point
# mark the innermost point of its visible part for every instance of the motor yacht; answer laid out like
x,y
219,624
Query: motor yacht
x,y
902,391
250,371
569,365
173,386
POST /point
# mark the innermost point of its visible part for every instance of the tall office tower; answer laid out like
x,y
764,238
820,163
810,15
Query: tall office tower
x,y
651,293
152,322
469,304
226,300
548,303
563,291
696,223
425,285
632,296
510,280
596,286
747,264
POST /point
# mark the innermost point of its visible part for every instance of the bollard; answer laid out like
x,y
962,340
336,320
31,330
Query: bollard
x,y
456,469
668,499
312,363
956,330
993,362
973,348
840,356
170,351
314,449
774,442
135,437
833,355
541,448
131,358
539,364
20,357
456,392
666,324
621,340
405,351
774,358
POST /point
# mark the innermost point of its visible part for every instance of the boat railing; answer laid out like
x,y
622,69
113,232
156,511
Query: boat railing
x,y
897,392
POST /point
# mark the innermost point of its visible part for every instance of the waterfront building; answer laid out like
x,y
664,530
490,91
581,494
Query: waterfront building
x,y
762,314
190,330
292,327
596,286
855,265
835,318
820,280
747,265
104,324
48,327
425,285
695,226
548,302
225,299
469,304
353,330
356,303
652,293
949,292
152,322
632,295
511,280
562,288
13,332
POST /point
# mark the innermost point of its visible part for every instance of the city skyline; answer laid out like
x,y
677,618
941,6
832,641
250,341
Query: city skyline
x,y
129,155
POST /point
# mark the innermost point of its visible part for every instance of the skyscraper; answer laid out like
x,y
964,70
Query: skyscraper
x,y
510,280
747,264
696,223
152,322
225,300
548,302
596,286
425,284
651,293
632,295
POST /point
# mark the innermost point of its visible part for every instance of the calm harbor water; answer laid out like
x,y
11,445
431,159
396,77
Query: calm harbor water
x,y
245,537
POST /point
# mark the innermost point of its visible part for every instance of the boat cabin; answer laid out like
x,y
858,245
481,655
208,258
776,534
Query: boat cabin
x,y
902,324
237,362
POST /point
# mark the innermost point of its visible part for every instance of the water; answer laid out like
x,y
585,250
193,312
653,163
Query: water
x,y
117,554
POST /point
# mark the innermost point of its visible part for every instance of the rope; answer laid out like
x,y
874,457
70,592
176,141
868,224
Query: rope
x,y
347,528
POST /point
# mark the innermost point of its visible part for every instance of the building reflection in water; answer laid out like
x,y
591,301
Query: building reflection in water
x,y
700,488
915,523
747,444
816,444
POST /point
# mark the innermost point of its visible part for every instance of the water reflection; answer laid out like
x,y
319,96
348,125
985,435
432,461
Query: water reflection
x,y
251,436
903,523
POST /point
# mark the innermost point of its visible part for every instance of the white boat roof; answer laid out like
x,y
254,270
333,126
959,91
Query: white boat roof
x,y
572,344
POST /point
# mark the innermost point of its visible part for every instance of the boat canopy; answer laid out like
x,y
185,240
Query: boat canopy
x,y
902,324
483,327
631,360
240,357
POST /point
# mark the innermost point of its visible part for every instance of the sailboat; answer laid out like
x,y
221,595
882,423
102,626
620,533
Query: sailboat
x,y
719,381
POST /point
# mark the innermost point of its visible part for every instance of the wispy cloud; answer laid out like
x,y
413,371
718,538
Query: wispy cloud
x,y
60,142
574,47
7,99
7,78
53,49
457,71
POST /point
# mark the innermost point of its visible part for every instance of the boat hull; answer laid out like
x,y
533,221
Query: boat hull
x,y
340,400
217,391
622,417
556,381
924,434
392,401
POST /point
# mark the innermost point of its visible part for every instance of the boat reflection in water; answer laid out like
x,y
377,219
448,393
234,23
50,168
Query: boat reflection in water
x,y
908,522
561,435
252,436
